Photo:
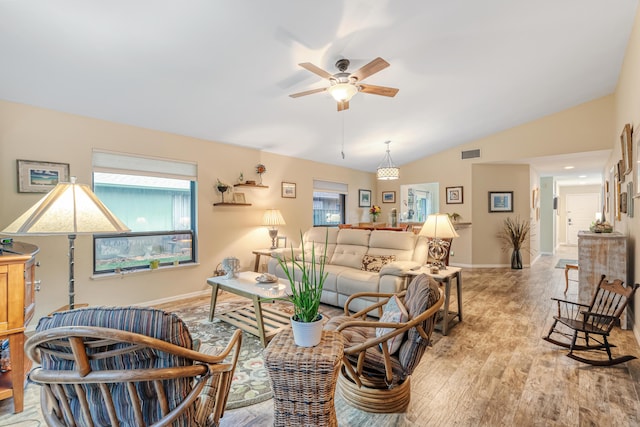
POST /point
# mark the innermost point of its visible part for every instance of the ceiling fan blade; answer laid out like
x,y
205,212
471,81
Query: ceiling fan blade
x,y
308,92
316,70
343,105
372,67
378,90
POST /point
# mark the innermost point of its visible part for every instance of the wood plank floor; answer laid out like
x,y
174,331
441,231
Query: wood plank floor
x,y
493,369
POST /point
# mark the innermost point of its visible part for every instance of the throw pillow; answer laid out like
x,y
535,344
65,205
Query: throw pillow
x,y
394,312
376,262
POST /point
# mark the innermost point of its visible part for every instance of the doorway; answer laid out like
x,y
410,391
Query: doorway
x,y
581,212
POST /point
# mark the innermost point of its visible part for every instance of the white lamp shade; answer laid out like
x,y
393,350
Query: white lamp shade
x,y
438,226
342,91
388,173
272,218
69,208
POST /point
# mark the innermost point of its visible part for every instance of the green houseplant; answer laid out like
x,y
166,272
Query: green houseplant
x,y
306,291
513,234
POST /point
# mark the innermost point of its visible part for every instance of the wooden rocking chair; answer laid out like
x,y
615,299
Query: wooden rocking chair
x,y
596,319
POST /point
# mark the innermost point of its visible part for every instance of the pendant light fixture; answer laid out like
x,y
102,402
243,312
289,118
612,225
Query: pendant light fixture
x,y
386,169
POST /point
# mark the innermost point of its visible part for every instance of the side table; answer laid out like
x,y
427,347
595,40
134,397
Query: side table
x,y
444,276
258,253
303,379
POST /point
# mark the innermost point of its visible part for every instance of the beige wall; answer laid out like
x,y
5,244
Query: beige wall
x,y
627,110
37,134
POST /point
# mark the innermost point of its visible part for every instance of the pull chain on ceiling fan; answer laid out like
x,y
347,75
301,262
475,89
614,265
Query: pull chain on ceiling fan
x,y
343,85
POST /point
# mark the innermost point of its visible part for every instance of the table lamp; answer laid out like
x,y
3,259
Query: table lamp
x,y
272,218
436,228
69,209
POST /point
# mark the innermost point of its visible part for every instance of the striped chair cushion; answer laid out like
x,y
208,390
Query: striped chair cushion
x,y
151,322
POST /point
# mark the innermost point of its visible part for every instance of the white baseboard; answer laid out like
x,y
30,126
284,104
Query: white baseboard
x,y
203,292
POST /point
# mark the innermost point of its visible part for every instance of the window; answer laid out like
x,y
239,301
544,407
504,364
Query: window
x,y
156,200
328,203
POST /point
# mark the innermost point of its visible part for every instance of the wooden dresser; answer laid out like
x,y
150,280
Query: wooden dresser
x,y
17,305
598,254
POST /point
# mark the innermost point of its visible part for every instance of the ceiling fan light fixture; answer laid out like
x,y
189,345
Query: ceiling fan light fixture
x,y
342,92
387,170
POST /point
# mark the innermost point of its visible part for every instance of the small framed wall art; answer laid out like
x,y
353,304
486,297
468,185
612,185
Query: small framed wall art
x,y
454,195
364,198
40,177
388,197
500,201
239,198
289,190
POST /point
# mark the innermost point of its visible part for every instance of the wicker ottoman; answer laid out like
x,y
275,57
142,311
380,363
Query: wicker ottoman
x,y
303,379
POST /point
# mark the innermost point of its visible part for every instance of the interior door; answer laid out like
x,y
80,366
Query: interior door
x,y
581,212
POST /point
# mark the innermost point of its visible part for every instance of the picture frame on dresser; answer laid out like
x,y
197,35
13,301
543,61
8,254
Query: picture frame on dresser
x,y
40,177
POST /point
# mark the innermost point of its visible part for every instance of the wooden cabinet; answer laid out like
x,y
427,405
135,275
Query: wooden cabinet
x,y
598,254
17,305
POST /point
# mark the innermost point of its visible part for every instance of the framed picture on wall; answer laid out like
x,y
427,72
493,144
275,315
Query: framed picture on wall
x,y
40,177
500,201
388,197
454,195
364,198
289,190
627,150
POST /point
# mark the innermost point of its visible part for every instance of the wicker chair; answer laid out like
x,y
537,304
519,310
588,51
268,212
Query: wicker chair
x,y
127,367
371,378
592,323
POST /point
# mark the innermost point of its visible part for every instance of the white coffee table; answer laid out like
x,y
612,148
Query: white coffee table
x,y
263,322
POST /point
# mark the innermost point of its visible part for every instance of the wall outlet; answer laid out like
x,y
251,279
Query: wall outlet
x,y
452,253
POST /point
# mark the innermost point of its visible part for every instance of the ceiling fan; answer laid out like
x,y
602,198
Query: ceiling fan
x,y
344,85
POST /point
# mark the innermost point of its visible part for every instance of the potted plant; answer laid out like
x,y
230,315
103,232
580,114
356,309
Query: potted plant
x,y
513,234
454,217
306,292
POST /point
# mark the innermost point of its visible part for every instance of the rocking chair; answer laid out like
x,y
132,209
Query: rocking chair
x,y
598,318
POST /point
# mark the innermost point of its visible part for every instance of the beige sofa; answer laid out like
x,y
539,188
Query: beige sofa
x,y
346,251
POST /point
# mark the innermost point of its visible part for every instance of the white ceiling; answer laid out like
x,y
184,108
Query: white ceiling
x,y
222,70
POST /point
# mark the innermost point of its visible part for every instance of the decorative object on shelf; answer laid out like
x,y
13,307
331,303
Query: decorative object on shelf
x,y
306,292
513,235
386,169
272,218
454,217
69,209
436,228
250,182
288,190
260,170
388,197
364,198
241,178
394,217
500,201
231,266
454,195
239,198
40,177
374,212
222,188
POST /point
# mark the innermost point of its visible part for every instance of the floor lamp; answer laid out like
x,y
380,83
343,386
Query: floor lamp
x,y
69,209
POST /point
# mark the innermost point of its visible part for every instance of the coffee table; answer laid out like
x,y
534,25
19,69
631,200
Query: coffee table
x,y
263,322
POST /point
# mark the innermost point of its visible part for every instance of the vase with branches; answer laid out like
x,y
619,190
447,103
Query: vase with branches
x,y
513,235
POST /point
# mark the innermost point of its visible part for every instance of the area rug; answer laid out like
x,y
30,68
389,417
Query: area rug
x,y
563,262
250,383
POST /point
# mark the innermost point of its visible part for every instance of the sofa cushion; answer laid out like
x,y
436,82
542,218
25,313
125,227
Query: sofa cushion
x,y
399,268
394,312
376,262
397,243
315,239
351,247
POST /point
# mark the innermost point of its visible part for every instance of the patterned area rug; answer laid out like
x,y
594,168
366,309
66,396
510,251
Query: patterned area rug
x,y
251,382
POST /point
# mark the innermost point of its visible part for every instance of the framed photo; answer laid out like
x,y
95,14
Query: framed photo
x,y
289,190
636,154
364,198
500,201
627,150
454,195
630,199
239,198
40,177
388,197
282,241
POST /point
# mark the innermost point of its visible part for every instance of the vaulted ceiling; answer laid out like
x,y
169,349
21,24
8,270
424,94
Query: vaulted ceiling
x,y
223,70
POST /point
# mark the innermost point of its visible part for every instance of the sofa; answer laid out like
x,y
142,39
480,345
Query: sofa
x,y
357,261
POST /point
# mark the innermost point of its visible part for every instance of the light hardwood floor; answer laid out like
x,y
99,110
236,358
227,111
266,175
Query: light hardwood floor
x,y
493,369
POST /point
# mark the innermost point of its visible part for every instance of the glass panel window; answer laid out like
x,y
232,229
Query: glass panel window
x,y
328,208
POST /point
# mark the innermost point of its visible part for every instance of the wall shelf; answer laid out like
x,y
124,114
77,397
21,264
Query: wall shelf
x,y
231,204
251,185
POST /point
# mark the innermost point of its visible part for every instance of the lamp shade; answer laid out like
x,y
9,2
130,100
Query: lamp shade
x,y
438,226
386,169
272,218
69,208
342,91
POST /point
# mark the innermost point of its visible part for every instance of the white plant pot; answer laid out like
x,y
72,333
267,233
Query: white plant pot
x,y
307,334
